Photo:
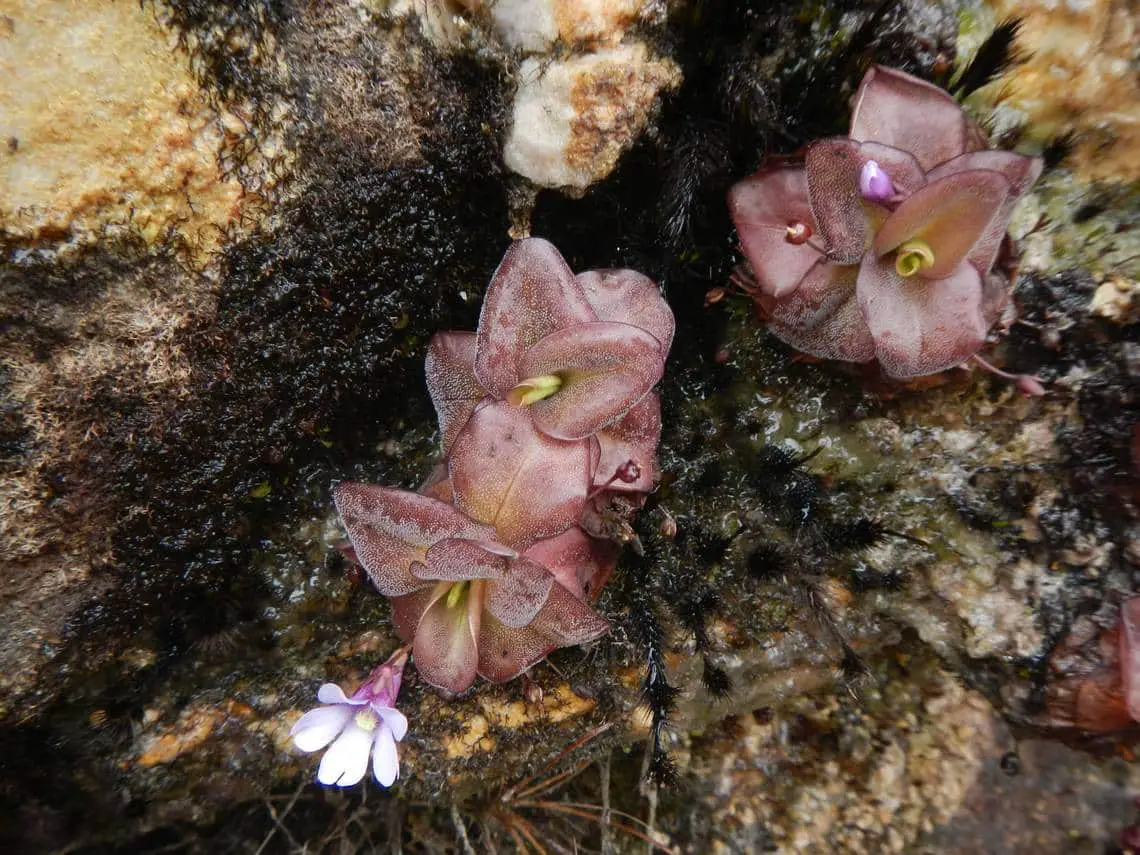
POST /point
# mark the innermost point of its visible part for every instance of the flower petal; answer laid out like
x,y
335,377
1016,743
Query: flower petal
x,y
846,220
392,529
822,317
346,761
317,728
385,760
605,369
505,473
634,438
457,559
921,326
761,207
950,215
331,693
394,720
450,370
1019,170
444,647
532,294
578,562
904,112
517,597
629,297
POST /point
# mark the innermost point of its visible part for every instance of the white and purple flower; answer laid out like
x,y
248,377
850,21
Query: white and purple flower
x,y
354,728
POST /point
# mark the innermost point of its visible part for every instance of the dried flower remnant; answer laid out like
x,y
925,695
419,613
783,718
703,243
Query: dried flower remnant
x,y
881,246
547,416
354,728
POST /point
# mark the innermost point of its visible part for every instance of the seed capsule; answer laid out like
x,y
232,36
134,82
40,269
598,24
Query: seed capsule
x,y
628,472
798,233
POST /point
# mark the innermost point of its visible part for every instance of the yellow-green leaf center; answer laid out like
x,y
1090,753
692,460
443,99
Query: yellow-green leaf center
x,y
913,256
534,389
455,594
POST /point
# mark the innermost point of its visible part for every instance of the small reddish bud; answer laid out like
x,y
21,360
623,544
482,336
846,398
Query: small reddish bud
x,y
532,692
713,296
668,528
628,472
1029,386
797,233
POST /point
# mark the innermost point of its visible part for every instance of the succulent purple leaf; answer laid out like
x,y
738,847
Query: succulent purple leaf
x,y
445,641
906,113
763,206
532,294
948,216
407,611
634,437
506,474
459,630
450,370
391,530
564,620
1021,172
603,369
519,595
568,620
847,219
579,563
822,317
629,297
921,326
457,559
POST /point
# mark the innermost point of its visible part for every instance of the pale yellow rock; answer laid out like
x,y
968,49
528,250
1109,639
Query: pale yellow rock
x,y
1080,75
1118,300
194,726
535,25
102,125
573,118
471,740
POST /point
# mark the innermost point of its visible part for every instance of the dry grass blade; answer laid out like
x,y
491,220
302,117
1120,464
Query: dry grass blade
x,y
511,793
548,784
592,812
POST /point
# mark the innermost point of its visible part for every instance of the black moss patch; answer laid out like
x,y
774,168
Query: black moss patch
x,y
231,48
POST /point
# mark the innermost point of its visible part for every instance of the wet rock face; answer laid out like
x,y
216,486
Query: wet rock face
x,y
876,583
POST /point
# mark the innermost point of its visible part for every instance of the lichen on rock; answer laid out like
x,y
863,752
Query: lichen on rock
x,y
574,118
130,144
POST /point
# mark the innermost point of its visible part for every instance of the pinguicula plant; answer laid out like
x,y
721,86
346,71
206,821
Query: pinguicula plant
x,y
881,246
547,416
545,411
